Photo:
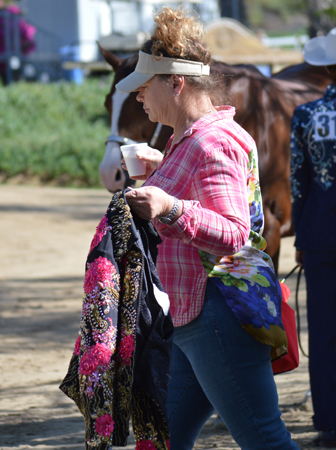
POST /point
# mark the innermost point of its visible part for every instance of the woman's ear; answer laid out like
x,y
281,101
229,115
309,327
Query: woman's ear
x,y
178,83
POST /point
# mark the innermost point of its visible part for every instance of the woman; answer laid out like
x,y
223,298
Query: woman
x,y
204,198
313,189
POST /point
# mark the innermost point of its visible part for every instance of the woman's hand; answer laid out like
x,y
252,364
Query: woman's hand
x,y
152,158
149,202
299,257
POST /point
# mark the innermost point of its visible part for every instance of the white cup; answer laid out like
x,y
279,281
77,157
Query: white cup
x,y
134,165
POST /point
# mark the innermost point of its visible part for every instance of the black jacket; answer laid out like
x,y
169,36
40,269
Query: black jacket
x,y
121,360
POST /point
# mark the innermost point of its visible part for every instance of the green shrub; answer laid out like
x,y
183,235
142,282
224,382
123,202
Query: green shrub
x,y
55,132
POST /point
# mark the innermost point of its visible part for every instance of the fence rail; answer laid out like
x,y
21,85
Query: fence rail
x,y
296,42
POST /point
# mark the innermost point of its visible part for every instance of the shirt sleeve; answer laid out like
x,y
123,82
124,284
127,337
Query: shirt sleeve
x,y
300,170
218,220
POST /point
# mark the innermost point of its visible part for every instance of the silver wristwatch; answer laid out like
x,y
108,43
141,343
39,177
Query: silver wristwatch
x,y
169,217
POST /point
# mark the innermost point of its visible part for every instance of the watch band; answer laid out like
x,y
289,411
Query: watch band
x,y
169,217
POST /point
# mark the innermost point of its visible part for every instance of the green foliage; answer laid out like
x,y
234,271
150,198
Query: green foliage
x,y
329,12
284,8
323,11
54,131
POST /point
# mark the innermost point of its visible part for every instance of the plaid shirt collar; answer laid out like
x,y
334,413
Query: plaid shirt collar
x,y
226,112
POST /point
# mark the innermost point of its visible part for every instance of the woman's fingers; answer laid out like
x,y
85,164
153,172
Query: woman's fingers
x,y
149,201
150,156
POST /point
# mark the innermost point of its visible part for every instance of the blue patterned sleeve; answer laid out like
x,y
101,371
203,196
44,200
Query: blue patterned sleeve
x,y
299,170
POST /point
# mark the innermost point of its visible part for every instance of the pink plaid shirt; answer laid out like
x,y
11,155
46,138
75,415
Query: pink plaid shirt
x,y
207,170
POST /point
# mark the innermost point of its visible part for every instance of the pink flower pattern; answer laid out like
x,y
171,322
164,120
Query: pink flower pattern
x,y
77,346
98,355
126,349
101,230
145,444
99,273
88,364
104,425
101,353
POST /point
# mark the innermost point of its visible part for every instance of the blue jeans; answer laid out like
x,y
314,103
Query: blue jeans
x,y
216,365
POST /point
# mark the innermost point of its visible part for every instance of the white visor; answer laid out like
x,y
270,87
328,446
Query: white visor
x,y
147,67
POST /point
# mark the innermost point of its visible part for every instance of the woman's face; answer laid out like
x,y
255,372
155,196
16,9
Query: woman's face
x,y
156,95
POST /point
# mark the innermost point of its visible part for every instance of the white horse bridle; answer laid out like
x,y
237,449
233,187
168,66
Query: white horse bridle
x,y
125,141
111,171
119,139
118,100
156,134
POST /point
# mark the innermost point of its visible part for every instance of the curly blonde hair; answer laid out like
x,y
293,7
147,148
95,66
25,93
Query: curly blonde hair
x,y
178,34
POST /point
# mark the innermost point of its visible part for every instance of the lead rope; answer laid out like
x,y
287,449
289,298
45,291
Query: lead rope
x,y
155,136
298,311
298,323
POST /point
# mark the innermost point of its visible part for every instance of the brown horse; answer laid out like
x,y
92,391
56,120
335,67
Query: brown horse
x,y
264,107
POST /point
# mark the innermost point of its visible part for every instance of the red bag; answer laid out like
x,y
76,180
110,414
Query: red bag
x,y
291,360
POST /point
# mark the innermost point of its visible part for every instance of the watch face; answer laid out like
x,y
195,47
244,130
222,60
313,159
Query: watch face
x,y
165,220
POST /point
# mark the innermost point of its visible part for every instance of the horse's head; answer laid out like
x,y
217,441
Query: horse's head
x,y
129,122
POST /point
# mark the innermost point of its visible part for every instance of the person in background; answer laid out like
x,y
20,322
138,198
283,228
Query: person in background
x,y
204,198
313,188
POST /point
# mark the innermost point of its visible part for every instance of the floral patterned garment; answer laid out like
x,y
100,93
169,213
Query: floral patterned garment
x,y
122,325
306,121
247,279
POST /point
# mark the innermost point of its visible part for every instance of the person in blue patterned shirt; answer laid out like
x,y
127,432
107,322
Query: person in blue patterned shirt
x,y
313,188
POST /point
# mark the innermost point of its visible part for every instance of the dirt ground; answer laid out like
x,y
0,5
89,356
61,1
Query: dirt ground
x,y
45,236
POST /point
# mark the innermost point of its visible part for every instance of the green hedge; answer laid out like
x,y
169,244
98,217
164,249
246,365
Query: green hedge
x,y
54,132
